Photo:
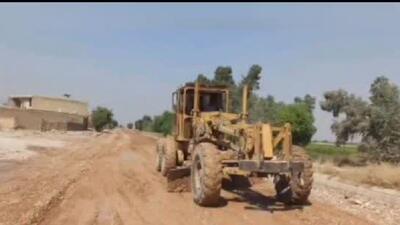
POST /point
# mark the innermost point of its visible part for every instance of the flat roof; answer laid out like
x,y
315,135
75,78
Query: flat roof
x,y
48,97
20,96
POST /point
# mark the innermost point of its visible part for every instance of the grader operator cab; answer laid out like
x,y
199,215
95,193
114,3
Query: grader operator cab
x,y
210,145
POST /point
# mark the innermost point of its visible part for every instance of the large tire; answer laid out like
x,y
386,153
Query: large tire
x,y
159,152
296,188
206,175
169,156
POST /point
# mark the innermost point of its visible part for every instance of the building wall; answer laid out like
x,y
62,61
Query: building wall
x,y
7,123
25,103
33,119
60,105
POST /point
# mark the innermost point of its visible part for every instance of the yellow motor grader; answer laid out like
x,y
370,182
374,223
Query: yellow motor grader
x,y
210,145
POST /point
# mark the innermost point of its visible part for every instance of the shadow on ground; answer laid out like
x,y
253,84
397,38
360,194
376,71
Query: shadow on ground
x,y
259,201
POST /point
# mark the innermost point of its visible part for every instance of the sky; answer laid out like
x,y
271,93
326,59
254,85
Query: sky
x,y
130,57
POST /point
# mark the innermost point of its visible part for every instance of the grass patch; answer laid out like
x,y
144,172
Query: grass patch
x,y
381,175
347,163
344,155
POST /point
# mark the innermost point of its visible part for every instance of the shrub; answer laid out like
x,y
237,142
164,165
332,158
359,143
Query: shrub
x,y
103,117
164,123
301,119
129,125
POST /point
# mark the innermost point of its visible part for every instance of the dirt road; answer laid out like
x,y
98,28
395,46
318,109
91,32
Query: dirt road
x,y
110,179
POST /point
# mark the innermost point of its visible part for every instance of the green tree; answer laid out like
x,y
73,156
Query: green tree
x,y
102,117
265,109
113,124
378,122
202,79
139,124
144,124
129,125
335,101
252,79
164,123
302,121
383,93
223,76
382,136
308,100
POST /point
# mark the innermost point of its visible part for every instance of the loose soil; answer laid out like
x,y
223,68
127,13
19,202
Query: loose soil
x,y
110,178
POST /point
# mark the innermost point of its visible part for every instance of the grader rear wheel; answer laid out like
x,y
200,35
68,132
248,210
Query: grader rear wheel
x,y
297,187
206,175
168,156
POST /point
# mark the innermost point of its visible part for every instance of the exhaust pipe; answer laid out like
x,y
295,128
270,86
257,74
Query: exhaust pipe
x,y
244,102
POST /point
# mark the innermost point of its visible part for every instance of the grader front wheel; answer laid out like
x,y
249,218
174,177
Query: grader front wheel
x,y
206,175
297,187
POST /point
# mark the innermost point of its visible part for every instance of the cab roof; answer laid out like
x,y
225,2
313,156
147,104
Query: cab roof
x,y
205,86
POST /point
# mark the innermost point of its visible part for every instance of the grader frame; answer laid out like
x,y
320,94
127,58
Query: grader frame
x,y
202,116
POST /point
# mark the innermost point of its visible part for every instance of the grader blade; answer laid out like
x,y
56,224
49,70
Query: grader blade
x,y
178,180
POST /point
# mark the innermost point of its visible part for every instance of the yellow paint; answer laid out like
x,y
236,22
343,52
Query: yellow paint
x,y
267,144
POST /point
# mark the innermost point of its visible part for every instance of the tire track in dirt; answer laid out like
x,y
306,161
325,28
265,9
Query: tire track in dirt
x,y
33,188
44,205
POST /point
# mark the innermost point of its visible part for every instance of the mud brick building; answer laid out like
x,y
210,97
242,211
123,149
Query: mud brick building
x,y
44,113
